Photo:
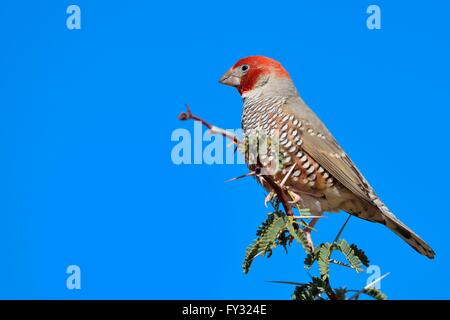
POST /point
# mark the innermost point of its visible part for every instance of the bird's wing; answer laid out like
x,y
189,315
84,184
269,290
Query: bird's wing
x,y
323,148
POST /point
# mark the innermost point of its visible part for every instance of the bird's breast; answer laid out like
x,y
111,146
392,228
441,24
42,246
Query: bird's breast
x,y
274,140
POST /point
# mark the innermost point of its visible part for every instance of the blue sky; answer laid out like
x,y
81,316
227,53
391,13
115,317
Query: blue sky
x,y
86,118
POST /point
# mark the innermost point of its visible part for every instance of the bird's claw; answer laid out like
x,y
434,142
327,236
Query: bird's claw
x,y
295,197
269,198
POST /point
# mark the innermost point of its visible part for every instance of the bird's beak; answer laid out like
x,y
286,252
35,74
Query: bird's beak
x,y
231,78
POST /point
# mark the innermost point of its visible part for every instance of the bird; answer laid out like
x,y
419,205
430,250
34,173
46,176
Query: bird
x,y
313,166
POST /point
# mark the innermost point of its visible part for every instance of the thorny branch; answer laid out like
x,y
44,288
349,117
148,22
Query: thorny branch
x,y
188,115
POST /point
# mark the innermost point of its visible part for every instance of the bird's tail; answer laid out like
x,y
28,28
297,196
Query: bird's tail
x,y
409,236
379,212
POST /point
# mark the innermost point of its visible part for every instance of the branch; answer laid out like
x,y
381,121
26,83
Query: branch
x,y
329,290
340,263
188,115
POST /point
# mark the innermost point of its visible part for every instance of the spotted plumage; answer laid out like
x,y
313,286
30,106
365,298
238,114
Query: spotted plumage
x,y
267,115
316,167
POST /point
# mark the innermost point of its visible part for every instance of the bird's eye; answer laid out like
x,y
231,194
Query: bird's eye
x,y
245,68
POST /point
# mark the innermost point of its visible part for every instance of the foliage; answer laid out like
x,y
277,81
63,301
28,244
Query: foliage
x,y
375,293
280,230
271,233
310,291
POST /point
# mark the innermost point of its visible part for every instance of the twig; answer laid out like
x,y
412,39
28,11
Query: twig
x,y
250,174
342,229
329,290
340,263
188,115
287,282
287,175
309,217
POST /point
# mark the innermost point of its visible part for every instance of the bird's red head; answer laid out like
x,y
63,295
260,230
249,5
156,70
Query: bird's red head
x,y
247,73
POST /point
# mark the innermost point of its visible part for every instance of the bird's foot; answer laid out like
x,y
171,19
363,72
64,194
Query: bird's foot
x,y
295,197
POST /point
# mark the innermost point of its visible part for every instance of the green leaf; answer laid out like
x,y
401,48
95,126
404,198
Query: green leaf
x,y
361,255
349,254
375,293
268,238
271,233
309,260
250,254
310,291
324,260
